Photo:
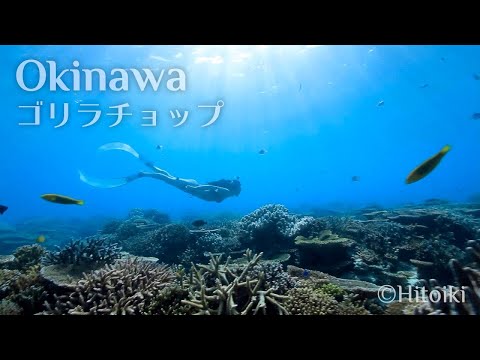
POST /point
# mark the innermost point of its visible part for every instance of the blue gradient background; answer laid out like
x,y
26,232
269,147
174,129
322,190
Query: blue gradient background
x,y
317,137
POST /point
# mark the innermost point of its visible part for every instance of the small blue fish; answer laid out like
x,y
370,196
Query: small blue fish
x,y
306,273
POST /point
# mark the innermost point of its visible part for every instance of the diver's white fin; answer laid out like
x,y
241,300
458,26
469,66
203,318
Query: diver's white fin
x,y
120,146
105,183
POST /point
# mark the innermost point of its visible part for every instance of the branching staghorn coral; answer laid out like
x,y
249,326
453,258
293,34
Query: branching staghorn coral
x,y
126,288
96,250
461,299
203,243
275,276
215,290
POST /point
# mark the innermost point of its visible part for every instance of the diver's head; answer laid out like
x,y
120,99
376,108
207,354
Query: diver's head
x,y
235,187
232,185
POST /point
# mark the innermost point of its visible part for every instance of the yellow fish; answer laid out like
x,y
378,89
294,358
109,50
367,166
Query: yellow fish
x,y
427,166
60,199
41,239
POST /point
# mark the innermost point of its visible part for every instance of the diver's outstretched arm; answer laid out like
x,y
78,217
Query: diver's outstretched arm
x,y
207,187
209,192
132,151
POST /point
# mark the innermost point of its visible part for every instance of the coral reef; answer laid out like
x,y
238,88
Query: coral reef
x,y
401,308
463,298
275,276
175,243
169,302
351,307
7,278
151,215
271,228
95,250
28,292
333,290
339,260
111,227
386,240
28,256
125,230
305,300
8,307
314,297
167,243
215,243
7,261
65,277
214,289
326,252
62,269
126,288
24,289
138,221
363,289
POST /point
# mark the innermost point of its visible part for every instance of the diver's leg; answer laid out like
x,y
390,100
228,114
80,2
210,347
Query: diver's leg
x,y
158,175
150,165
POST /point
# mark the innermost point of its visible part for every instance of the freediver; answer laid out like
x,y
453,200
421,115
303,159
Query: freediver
x,y
211,191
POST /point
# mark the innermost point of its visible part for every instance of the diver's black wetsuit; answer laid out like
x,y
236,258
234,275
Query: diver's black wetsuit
x,y
216,191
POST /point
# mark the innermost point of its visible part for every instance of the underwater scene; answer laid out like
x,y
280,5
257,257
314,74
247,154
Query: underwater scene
x,y
240,180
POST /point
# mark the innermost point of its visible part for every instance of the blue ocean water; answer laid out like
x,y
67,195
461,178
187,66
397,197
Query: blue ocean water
x,y
314,109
